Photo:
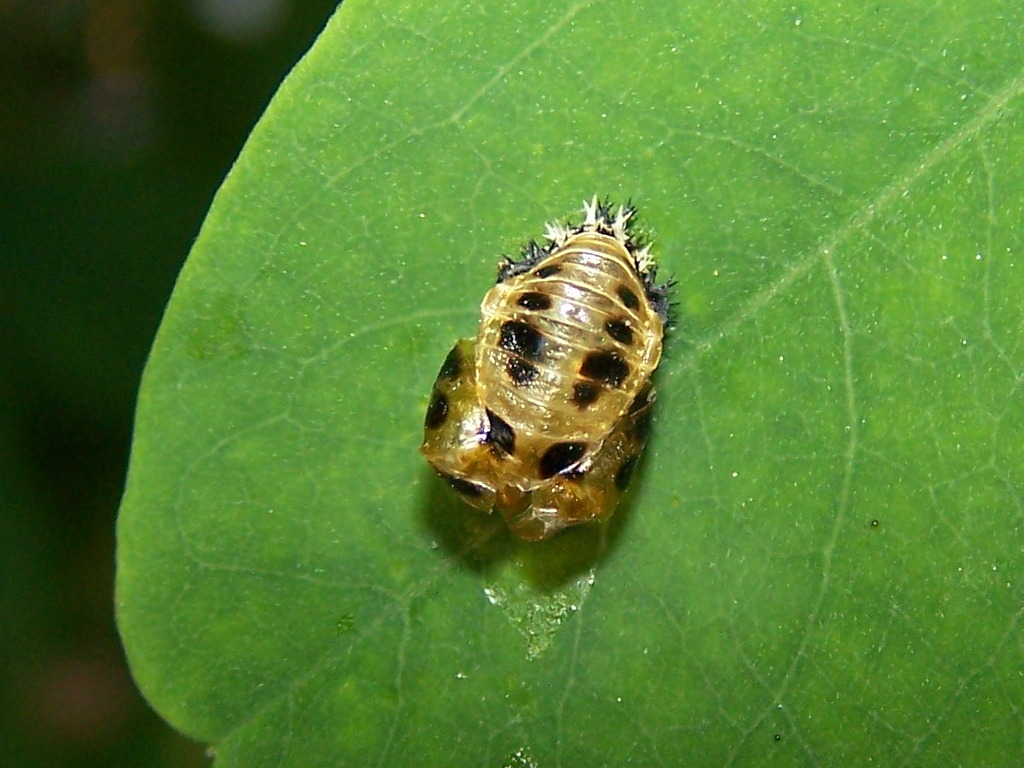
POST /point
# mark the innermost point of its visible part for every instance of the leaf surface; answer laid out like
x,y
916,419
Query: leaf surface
x,y
820,561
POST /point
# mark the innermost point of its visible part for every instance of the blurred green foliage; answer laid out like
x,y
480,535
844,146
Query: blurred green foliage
x,y
118,120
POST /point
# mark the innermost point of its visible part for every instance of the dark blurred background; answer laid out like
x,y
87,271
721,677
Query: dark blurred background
x,y
118,121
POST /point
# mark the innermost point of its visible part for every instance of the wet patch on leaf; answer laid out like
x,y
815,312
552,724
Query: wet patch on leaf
x,y
537,614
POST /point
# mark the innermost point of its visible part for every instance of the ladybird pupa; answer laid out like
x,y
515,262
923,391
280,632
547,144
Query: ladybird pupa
x,y
544,415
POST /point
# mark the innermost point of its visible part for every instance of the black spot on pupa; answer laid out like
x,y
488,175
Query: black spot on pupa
x,y
645,398
620,331
641,428
576,473
534,301
560,457
584,393
606,367
642,413
500,434
466,488
548,271
520,371
452,365
625,473
628,297
521,338
437,411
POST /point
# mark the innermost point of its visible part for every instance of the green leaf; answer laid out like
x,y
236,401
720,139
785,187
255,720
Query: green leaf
x,y
820,562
